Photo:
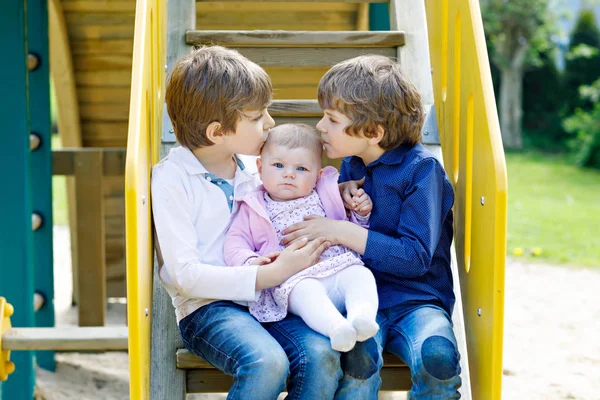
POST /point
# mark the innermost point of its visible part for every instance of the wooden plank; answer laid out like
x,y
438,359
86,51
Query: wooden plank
x,y
100,19
99,46
215,381
95,62
286,38
112,160
295,108
301,9
299,1
309,57
106,130
188,360
103,95
96,6
317,21
78,32
66,338
106,78
90,226
105,112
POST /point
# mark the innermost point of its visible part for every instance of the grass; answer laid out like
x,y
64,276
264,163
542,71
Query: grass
x,y
555,207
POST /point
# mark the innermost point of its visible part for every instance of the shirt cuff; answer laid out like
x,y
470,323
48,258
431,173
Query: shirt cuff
x,y
377,249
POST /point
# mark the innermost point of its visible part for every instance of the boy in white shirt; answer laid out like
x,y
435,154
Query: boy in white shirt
x,y
217,101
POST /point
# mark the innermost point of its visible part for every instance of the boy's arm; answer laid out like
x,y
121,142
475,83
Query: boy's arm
x,y
408,253
239,248
173,220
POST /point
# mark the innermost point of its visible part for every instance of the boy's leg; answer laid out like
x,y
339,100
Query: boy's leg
x,y
357,285
228,337
314,366
361,366
309,300
424,339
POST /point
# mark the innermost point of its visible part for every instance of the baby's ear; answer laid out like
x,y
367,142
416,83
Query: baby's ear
x,y
259,165
320,173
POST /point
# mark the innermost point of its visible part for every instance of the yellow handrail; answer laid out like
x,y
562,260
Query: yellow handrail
x,y
145,116
471,141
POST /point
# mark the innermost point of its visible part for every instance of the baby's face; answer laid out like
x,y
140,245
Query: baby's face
x,y
288,174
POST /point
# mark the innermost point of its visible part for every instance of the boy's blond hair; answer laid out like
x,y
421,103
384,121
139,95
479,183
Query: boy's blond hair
x,y
372,91
294,136
213,84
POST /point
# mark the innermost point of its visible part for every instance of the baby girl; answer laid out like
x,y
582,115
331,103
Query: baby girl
x,y
294,187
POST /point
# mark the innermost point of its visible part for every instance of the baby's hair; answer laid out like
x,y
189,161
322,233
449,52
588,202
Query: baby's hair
x,y
294,136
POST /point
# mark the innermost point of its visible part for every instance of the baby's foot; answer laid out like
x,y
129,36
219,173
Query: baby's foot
x,y
343,337
365,327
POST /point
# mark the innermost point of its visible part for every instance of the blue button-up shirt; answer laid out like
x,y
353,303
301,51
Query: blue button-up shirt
x,y
410,233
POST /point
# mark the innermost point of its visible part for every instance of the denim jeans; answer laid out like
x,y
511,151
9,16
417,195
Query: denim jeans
x,y
226,336
423,338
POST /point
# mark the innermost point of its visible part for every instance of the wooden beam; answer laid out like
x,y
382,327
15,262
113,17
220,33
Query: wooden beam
x,y
303,1
66,338
90,226
187,360
295,108
113,160
309,57
279,38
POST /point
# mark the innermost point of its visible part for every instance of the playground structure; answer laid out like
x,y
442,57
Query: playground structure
x,y
440,44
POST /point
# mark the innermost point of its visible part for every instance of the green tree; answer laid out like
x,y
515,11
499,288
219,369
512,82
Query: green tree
x,y
583,61
519,31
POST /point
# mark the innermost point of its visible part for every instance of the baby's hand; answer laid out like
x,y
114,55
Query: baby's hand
x,y
266,259
361,203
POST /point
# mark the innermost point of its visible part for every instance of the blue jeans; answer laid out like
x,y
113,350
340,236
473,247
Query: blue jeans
x,y
226,336
422,337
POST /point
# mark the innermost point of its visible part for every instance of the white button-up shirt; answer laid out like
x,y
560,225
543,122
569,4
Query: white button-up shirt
x,y
191,218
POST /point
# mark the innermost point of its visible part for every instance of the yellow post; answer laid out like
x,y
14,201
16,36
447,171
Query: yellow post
x,y
474,160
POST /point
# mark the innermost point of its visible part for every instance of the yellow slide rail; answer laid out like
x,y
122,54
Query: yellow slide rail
x,y
145,116
474,160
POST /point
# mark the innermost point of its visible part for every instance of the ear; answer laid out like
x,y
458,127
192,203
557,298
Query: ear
x,y
259,166
379,132
214,133
320,174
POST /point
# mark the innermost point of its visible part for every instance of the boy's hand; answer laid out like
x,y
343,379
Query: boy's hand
x,y
266,259
348,190
361,202
313,226
298,256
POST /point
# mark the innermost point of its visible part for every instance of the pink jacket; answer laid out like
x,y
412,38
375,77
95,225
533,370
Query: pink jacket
x,y
251,233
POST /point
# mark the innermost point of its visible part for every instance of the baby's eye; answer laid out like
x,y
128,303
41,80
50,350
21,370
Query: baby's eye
x,y
278,165
301,169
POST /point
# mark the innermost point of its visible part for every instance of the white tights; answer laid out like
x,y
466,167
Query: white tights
x,y
317,302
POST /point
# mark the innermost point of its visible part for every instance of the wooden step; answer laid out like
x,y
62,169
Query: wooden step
x,y
66,338
295,1
280,108
187,360
265,38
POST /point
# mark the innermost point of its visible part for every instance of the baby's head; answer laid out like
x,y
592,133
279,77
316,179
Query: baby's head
x,y
290,162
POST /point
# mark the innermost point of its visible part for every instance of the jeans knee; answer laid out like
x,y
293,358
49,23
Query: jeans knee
x,y
323,358
273,365
440,358
363,361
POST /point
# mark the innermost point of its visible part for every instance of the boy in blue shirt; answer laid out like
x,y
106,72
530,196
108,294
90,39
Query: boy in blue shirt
x,y
373,118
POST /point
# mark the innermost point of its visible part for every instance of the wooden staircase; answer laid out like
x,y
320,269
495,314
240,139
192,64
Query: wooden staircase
x,y
175,371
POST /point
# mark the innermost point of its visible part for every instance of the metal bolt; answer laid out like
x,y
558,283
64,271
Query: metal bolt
x,y
482,201
144,200
36,221
171,130
431,69
34,141
425,133
146,311
479,312
33,61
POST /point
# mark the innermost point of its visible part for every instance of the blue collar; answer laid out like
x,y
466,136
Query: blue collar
x,y
390,157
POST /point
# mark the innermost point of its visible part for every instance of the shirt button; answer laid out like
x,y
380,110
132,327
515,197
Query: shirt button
x,y
208,178
218,183
230,197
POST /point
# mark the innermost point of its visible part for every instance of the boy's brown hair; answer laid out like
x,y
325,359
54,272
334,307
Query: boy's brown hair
x,y
294,136
213,84
372,91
